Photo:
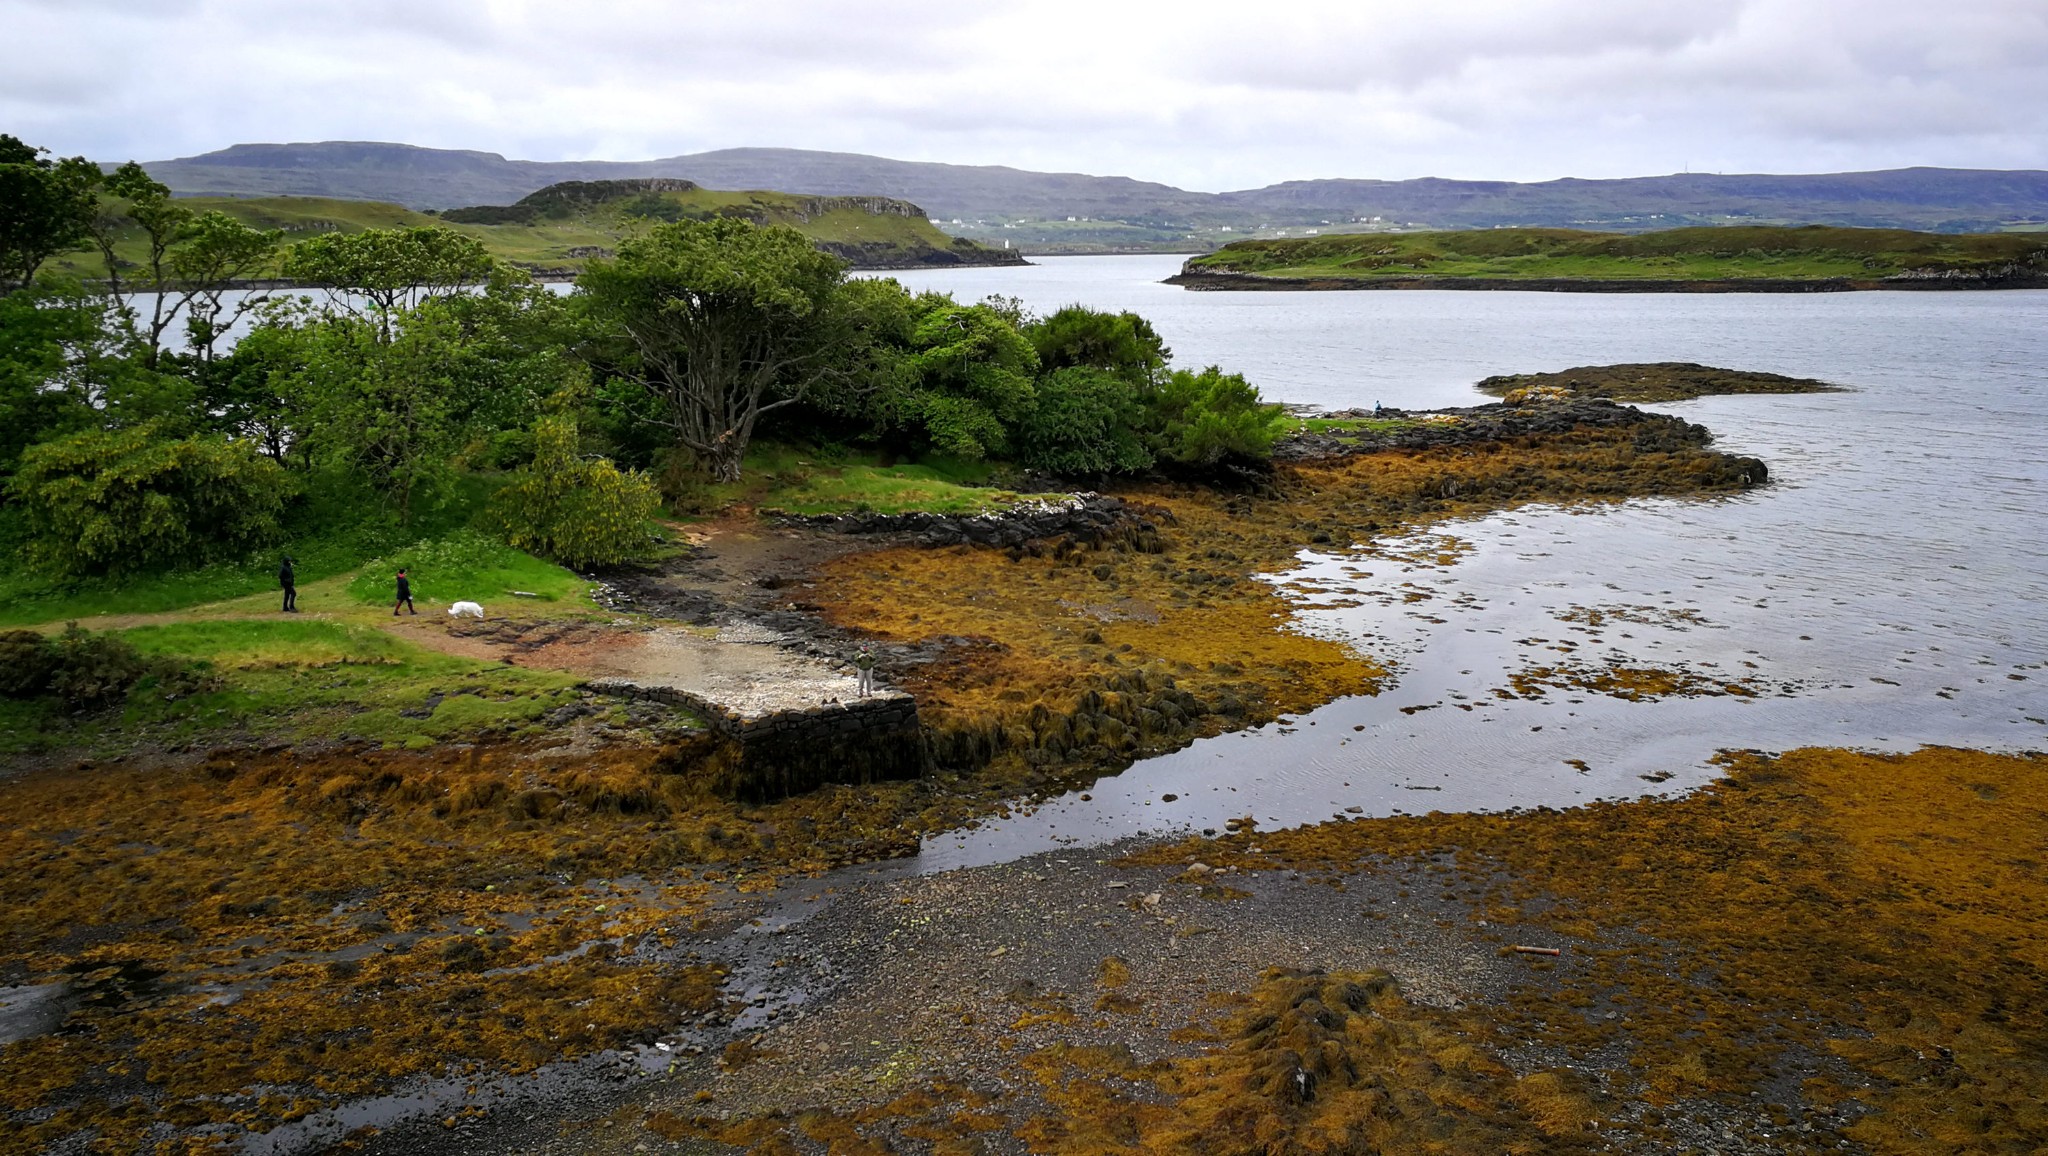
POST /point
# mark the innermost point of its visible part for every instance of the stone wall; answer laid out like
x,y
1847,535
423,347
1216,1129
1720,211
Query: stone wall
x,y
789,752
1082,517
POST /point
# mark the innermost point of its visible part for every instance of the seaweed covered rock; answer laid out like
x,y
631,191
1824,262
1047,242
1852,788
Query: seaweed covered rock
x,y
1474,425
1645,382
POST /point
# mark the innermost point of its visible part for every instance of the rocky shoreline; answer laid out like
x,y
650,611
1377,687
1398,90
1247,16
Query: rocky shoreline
x,y
578,903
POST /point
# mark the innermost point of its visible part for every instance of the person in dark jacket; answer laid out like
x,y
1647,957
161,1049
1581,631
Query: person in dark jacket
x,y
404,595
289,580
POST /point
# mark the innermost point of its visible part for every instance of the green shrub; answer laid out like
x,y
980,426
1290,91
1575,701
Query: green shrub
x,y
109,502
1201,419
86,669
1084,421
579,512
27,660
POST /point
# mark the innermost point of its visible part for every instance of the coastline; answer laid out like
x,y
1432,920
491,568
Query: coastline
x,y
784,967
1255,282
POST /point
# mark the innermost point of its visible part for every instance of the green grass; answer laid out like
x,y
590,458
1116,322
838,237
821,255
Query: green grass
x,y
1697,254
296,680
554,243
1350,425
462,566
327,534
813,480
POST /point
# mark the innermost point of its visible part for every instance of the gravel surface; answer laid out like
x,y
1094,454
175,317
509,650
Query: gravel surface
x,y
856,986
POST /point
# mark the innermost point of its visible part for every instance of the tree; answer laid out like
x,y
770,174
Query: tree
x,y
1202,419
965,382
387,408
215,253
1084,421
259,391
104,502
140,200
42,333
67,363
577,511
389,270
189,261
46,208
1121,343
725,322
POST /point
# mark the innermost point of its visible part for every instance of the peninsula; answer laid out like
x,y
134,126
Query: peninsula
x,y
1807,259
550,234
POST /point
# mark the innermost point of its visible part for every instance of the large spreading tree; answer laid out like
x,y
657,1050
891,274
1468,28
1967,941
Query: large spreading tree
x,y
725,321
46,208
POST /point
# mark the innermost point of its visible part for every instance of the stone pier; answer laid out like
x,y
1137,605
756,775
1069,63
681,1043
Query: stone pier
x,y
793,723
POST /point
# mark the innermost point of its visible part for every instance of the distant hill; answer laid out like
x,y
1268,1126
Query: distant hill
x,y
554,231
1942,200
1049,211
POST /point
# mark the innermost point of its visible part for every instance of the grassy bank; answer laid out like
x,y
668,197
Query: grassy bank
x,y
289,681
1810,253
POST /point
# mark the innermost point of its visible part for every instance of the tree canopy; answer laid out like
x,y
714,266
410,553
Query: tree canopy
x,y
46,208
724,321
433,384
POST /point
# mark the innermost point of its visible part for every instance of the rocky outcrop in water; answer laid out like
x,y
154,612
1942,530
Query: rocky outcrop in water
x,y
1445,428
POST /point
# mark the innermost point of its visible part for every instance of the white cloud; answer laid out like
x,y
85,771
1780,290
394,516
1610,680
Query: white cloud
x,y
1201,95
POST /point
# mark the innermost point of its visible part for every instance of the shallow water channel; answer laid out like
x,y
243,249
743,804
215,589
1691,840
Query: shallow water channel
x,y
1886,591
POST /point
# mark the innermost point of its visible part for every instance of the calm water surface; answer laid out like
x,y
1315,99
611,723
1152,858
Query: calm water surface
x,y
1885,591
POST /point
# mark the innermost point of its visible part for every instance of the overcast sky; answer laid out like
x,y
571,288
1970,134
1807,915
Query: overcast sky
x,y
1200,95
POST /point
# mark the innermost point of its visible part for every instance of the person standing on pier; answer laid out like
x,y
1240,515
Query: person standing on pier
x,y
864,666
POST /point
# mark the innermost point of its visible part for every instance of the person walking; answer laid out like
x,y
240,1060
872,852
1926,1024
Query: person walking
x,y
289,580
404,595
864,667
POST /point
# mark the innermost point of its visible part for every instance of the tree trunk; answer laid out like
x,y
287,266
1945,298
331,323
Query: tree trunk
x,y
726,457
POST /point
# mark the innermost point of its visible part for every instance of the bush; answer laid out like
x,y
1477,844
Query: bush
x,y
578,512
109,502
27,660
1083,421
85,669
1202,419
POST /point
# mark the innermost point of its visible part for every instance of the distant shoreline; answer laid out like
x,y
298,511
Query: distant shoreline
x,y
561,276
1254,282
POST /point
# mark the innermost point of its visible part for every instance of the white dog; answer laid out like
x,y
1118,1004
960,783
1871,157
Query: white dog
x,y
465,610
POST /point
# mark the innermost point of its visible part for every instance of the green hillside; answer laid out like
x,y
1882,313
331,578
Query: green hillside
x,y
1051,212
555,231
1721,254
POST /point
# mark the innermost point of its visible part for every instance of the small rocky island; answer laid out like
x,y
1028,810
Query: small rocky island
x,y
1652,381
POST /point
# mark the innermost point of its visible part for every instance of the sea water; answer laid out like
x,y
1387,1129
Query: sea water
x,y
1888,588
